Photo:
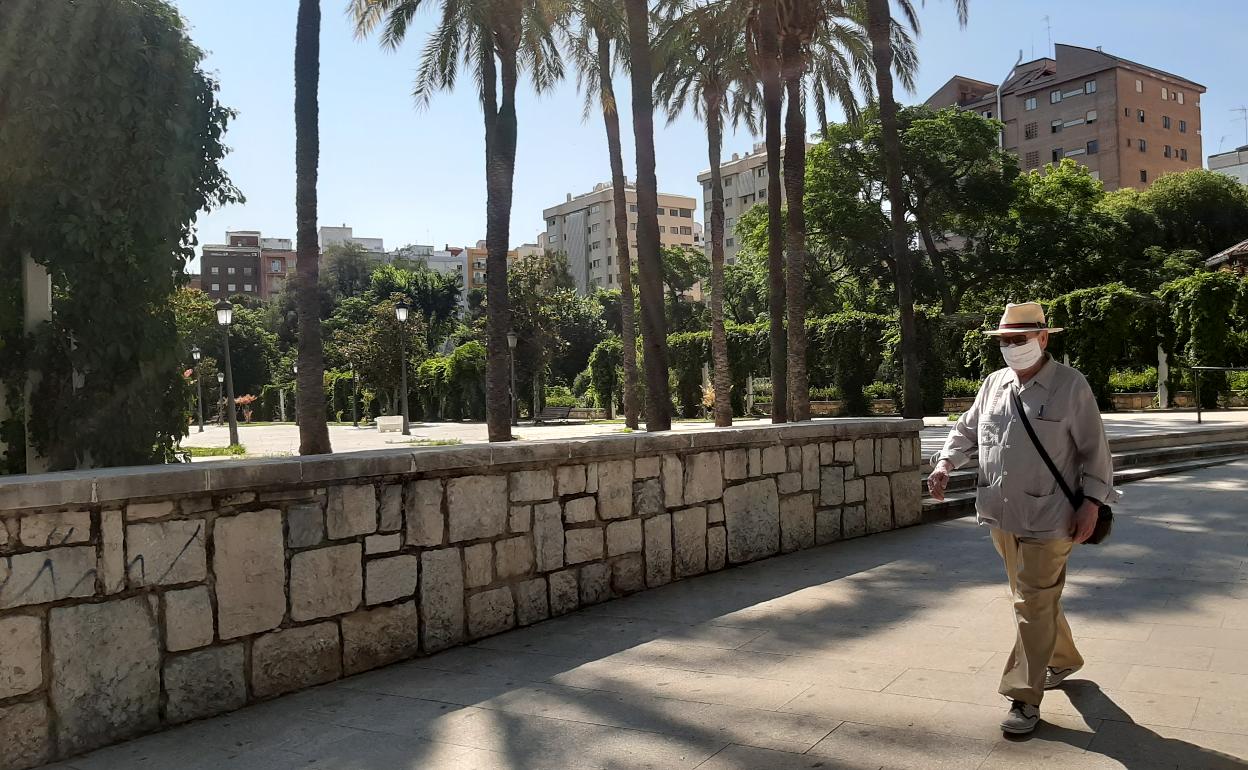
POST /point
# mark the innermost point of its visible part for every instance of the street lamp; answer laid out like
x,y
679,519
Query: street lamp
x,y
400,312
512,339
225,315
199,387
221,396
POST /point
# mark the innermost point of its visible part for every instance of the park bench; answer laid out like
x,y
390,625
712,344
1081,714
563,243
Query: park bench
x,y
389,424
554,413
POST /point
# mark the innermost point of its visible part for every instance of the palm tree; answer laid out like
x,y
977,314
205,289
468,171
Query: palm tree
x,y
881,31
601,25
310,381
705,65
649,261
494,39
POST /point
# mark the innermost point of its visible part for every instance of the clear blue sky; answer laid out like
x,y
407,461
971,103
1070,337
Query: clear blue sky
x,y
417,176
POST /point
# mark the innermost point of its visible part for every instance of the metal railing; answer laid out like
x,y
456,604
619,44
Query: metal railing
x,y
1196,370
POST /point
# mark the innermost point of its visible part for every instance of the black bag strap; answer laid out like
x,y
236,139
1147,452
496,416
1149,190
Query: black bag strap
x,y
1022,413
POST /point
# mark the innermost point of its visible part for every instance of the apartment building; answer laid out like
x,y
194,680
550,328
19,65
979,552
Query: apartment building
x,y
475,256
232,267
583,227
745,185
1129,123
333,236
1233,163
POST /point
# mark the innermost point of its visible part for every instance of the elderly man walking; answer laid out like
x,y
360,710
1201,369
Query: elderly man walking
x,y
1034,525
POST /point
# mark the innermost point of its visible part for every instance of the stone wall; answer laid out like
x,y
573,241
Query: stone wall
x,y
137,598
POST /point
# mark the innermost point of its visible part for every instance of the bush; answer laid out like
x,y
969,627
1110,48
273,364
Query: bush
x,y
1132,381
961,387
881,390
824,394
1238,382
559,395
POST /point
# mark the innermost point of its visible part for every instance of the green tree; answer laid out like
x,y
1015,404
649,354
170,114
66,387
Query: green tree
x,y
1199,209
348,269
366,335
495,40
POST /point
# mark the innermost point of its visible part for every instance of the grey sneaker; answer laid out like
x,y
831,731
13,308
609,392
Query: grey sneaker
x,y
1053,677
1021,720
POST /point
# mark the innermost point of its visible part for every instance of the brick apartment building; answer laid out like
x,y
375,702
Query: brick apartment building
x,y
247,263
1127,122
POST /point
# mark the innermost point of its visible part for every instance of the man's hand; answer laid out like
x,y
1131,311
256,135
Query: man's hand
x,y
1085,521
939,479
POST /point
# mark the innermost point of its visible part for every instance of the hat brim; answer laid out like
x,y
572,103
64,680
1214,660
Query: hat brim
x,y
999,332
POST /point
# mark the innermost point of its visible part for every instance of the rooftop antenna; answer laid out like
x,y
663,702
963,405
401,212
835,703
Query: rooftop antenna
x,y
1243,115
1048,28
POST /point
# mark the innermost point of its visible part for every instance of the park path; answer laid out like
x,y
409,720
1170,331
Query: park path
x,y
877,652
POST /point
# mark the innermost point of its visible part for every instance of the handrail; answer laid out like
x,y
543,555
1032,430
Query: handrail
x,y
1198,369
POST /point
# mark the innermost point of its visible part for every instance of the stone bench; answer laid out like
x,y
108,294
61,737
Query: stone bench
x,y
389,424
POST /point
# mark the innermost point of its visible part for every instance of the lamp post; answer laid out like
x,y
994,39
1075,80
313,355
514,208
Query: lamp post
x,y
512,339
225,315
400,312
221,396
355,392
199,387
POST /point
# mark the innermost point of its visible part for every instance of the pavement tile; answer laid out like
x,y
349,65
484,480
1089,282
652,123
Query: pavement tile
x,y
865,745
1147,654
750,758
682,685
1198,684
1219,638
1091,702
1222,715
934,655
1229,662
1137,745
971,720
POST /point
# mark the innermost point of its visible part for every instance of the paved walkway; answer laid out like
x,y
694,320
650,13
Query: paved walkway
x,y
878,652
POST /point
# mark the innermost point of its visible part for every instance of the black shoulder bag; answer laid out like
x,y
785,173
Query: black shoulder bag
x,y
1104,515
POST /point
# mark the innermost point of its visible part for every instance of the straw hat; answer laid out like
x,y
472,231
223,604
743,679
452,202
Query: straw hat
x,y
1023,317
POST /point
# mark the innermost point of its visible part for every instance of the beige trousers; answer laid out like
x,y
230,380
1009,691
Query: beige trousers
x,y
1037,573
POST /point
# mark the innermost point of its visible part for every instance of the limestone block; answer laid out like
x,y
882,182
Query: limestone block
x,y
532,485
716,548
422,507
5,537
775,460
854,521
106,680
827,525
855,491
294,659
916,450
21,655
689,526
378,637
756,462
47,576
479,565
238,499
658,534
112,564
752,515
580,509
490,612
615,489
188,619
531,602
864,456
832,486
476,507
520,519
140,511
797,522
715,513
907,453
736,464
41,530
879,504
442,598
390,518
166,553
352,511
704,478
890,454
794,454
325,582
548,536
595,584
571,479
513,557
250,571
204,683
907,498
624,537
844,451
564,592
647,497
25,740
383,543
393,577
305,525
582,545
810,467
827,453
790,482
628,574
591,478
646,467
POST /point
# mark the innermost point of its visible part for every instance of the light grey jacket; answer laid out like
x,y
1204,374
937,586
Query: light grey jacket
x,y
1016,491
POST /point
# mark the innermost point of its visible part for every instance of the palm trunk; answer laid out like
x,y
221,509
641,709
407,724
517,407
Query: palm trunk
x,y
773,98
795,232
310,381
722,377
879,25
500,164
649,260
628,328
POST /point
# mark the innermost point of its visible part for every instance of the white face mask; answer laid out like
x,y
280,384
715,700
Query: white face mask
x,y
1020,358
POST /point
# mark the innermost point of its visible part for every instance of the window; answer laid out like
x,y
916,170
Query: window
x,y
246,271
686,213
1055,96
1165,93
1165,121
686,230
761,171
275,266
594,208
1031,130
632,226
216,271
1139,86
1139,114
762,194
1093,147
1143,145
730,243
1126,111
632,207
610,277
216,287
662,228
1058,154
1183,154
231,287
673,212
230,271
987,114
706,185
595,245
728,181
1128,142
728,202
550,222
1166,151
1182,126
1143,175
246,287
1179,96
1033,159
593,228
1055,127
1091,116
1030,103
1089,87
